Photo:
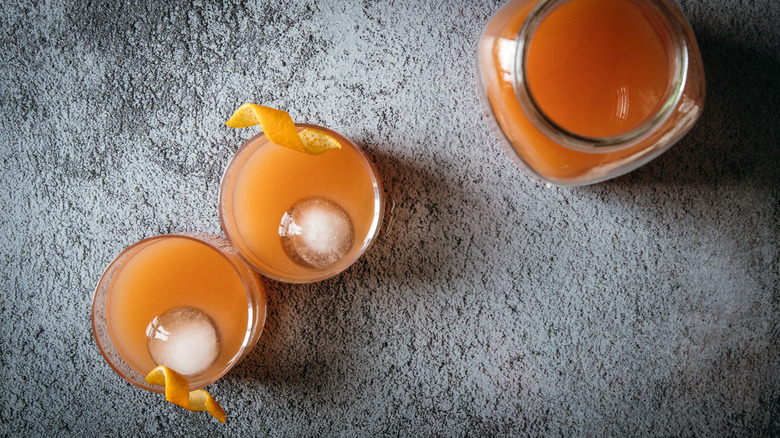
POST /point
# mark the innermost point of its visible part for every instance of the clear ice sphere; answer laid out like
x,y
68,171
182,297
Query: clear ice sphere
x,y
184,340
316,232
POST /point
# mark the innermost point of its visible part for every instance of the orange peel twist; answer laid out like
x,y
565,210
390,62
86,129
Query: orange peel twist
x,y
278,127
177,391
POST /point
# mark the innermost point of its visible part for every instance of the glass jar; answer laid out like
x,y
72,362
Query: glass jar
x,y
581,91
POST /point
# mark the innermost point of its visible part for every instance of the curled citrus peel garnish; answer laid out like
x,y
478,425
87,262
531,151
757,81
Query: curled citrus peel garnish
x,y
279,128
177,391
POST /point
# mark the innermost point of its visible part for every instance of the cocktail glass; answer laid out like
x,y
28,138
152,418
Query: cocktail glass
x,y
268,191
188,301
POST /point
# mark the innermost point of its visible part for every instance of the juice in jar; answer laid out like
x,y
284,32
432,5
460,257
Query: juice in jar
x,y
585,90
598,67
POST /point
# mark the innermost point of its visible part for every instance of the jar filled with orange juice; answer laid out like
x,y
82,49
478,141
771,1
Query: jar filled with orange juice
x,y
580,91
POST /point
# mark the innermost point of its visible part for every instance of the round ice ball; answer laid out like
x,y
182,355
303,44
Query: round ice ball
x,y
316,232
184,340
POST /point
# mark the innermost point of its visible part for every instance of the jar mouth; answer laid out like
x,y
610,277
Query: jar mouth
x,y
663,20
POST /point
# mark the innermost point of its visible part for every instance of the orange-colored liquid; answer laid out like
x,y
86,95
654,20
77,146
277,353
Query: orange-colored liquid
x,y
595,67
598,67
170,273
271,179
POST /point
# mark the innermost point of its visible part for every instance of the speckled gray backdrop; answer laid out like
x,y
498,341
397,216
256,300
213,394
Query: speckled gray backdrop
x,y
493,306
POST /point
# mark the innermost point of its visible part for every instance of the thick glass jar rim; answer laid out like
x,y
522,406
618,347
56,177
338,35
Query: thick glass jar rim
x,y
573,140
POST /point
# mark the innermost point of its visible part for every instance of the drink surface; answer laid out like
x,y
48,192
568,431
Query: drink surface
x,y
173,273
266,181
598,68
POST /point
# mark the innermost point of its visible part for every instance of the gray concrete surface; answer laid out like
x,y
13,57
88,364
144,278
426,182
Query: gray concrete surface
x,y
494,306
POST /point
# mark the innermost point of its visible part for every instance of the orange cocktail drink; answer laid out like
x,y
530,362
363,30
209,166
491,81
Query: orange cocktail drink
x,y
184,301
584,90
298,217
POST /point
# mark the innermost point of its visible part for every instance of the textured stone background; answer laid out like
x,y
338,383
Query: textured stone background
x,y
647,305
